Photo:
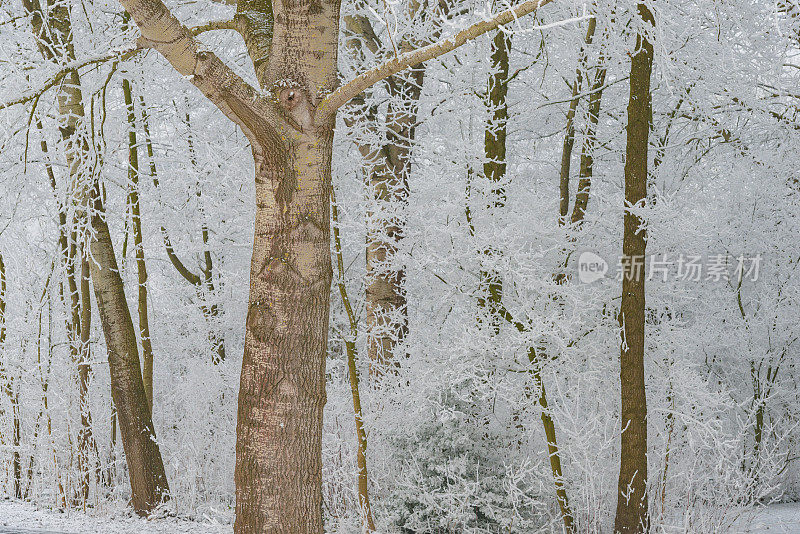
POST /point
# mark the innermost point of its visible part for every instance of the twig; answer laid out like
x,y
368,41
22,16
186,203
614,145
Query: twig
x,y
120,55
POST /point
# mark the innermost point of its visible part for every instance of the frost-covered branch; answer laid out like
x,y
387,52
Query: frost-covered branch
x,y
237,99
214,25
118,55
352,88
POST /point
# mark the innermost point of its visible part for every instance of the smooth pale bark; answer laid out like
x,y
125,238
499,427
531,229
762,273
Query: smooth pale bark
x,y
53,30
141,266
632,502
278,471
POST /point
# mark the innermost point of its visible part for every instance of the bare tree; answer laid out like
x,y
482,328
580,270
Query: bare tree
x,y
282,391
136,223
53,29
6,383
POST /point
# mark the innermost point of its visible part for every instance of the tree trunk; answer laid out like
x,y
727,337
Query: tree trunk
x,y
136,223
589,143
53,30
293,47
495,164
147,476
569,136
552,446
7,384
86,442
386,306
74,321
387,318
352,369
632,503
282,391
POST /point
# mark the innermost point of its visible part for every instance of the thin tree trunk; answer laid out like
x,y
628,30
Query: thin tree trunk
x,y
6,382
86,442
67,244
74,320
352,355
552,446
569,136
632,502
589,144
211,312
494,169
549,426
204,284
53,30
136,223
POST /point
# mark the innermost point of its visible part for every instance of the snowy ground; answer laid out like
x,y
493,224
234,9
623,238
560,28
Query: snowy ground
x,y
20,518
775,519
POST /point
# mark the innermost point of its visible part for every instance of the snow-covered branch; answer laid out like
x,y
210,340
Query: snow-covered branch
x,y
352,88
117,55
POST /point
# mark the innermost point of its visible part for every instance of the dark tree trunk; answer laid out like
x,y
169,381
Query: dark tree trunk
x,y
148,479
632,503
495,164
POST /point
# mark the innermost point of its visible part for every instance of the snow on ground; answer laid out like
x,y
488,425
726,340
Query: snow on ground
x,y
24,518
775,519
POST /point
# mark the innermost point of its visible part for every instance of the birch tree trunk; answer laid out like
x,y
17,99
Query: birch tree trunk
x,y
632,503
